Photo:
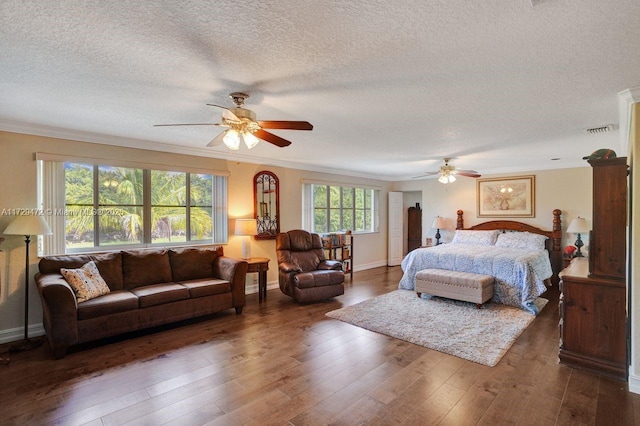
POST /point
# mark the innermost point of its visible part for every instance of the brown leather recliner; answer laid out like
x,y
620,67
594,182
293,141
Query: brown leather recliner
x,y
303,271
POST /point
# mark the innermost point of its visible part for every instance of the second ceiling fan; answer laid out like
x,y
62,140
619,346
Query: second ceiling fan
x,y
448,173
242,125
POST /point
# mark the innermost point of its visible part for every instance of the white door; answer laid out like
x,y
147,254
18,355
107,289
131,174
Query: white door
x,y
394,256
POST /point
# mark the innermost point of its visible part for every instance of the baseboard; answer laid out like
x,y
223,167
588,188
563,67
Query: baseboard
x,y
17,334
253,288
634,383
371,265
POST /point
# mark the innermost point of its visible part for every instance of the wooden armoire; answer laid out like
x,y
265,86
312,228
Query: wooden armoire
x,y
414,227
593,332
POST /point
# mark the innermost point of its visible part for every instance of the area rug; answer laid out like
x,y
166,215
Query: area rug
x,y
453,327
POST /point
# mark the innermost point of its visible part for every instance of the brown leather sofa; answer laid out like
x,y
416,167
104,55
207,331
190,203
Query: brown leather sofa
x,y
303,271
148,288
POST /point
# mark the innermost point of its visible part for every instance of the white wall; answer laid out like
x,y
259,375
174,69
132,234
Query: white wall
x,y
18,174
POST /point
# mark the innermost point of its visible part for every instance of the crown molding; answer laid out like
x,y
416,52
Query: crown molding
x,y
82,136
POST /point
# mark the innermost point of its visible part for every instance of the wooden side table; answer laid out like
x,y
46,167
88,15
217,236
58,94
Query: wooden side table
x,y
261,266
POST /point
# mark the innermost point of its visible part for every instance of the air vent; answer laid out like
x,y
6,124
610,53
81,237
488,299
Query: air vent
x,y
601,129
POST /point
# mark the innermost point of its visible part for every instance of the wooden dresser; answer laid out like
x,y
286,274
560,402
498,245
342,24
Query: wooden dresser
x,y
593,332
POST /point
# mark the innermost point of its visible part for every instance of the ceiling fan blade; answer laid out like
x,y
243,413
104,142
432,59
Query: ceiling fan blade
x,y
217,140
473,172
227,113
271,138
186,124
425,175
290,125
468,173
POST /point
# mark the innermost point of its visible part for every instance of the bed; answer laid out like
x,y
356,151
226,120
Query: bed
x,y
523,259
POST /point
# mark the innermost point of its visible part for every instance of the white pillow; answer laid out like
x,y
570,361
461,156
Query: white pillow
x,y
537,241
477,238
86,282
521,240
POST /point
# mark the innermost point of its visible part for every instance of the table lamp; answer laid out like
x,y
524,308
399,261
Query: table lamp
x,y
245,228
439,223
578,226
27,226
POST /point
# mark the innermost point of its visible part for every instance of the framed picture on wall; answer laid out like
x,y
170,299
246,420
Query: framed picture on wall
x,y
506,197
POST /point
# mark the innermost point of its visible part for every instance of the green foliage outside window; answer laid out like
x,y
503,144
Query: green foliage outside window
x,y
114,206
337,209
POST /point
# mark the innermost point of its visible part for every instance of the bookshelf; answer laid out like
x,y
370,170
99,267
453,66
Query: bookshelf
x,y
340,247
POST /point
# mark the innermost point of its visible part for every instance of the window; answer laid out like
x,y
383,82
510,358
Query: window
x,y
334,208
108,207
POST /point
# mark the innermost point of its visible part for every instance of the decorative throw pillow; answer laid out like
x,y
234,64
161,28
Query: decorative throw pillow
x,y
477,238
86,282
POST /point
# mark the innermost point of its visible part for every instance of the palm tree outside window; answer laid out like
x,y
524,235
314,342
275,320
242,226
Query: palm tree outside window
x,y
121,206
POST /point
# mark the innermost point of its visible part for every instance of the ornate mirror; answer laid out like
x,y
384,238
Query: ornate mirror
x,y
266,204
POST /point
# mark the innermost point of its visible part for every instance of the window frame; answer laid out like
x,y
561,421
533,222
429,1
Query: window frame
x,y
309,207
52,200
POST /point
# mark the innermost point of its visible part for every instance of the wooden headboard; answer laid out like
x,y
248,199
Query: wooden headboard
x,y
554,240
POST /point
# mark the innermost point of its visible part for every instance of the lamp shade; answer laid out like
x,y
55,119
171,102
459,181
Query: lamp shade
x,y
249,140
439,223
578,226
246,227
232,140
28,225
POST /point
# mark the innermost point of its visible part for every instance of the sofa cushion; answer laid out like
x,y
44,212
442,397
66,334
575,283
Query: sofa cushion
x,y
206,287
114,302
157,294
86,281
192,263
53,264
110,267
145,267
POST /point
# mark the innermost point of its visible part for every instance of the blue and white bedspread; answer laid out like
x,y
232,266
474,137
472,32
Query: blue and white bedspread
x,y
519,273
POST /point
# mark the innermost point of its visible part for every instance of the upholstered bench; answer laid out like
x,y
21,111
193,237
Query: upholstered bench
x,y
465,286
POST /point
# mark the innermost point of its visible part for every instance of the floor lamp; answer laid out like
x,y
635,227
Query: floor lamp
x,y
27,226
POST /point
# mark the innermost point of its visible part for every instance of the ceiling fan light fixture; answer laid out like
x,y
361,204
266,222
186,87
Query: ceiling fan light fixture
x,y
232,140
446,177
249,140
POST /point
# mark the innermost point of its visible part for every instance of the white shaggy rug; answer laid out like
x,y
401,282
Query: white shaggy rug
x,y
455,328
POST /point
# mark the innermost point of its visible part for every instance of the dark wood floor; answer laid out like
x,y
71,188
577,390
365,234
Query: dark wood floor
x,y
283,363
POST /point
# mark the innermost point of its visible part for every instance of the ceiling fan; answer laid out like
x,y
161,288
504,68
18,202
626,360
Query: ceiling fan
x,y
448,173
242,125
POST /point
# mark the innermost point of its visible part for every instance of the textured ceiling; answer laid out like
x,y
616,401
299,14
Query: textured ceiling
x,y
391,87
